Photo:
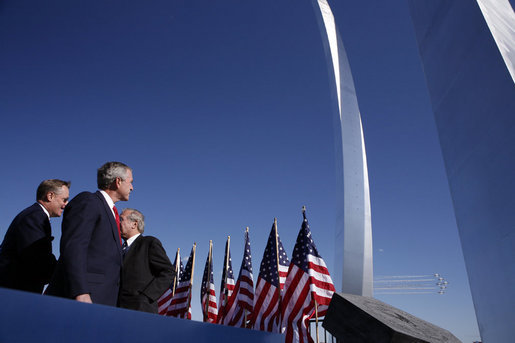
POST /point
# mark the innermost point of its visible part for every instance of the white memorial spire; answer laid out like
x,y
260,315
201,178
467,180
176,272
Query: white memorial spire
x,y
354,269
500,19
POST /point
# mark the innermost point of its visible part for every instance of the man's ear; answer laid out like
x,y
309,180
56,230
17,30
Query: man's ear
x,y
49,196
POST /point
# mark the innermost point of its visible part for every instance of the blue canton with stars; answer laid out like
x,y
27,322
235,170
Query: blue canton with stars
x,y
304,246
246,263
186,274
205,285
181,268
268,269
230,274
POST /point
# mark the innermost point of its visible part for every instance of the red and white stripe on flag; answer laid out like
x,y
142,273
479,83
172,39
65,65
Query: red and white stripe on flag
x,y
308,284
180,304
164,301
267,305
227,284
267,312
240,305
207,291
212,311
225,297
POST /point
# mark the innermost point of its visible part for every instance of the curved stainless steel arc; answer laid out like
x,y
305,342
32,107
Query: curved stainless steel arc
x,y
353,253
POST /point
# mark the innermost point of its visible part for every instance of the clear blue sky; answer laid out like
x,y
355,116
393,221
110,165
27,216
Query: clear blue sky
x,y
224,110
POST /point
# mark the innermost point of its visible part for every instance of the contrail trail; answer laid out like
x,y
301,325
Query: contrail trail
x,y
404,276
404,280
403,293
405,288
410,284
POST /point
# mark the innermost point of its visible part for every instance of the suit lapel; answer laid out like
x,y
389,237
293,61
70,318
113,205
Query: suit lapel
x,y
47,228
132,248
112,221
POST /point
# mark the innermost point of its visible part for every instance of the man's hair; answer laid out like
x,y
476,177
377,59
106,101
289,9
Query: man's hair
x,y
136,216
52,185
108,173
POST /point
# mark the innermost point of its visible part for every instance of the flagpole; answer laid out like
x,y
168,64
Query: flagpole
x,y
208,280
227,257
223,291
277,251
316,305
226,269
245,310
177,263
191,279
279,318
316,318
193,263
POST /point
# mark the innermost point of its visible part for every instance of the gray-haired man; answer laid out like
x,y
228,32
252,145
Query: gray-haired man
x,y
147,271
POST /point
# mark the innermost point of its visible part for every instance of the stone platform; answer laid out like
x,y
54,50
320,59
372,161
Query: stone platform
x,y
355,319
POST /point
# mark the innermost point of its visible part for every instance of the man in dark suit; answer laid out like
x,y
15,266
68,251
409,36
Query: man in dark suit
x,y
147,271
26,259
88,269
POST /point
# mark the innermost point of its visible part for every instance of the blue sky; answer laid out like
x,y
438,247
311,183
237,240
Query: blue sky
x,y
224,110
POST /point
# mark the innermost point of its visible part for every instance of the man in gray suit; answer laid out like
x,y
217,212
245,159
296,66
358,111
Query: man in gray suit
x,y
146,270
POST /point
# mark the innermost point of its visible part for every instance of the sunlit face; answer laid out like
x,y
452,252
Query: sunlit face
x,y
128,227
125,187
57,201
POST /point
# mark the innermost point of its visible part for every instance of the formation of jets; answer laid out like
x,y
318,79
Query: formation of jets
x,y
410,284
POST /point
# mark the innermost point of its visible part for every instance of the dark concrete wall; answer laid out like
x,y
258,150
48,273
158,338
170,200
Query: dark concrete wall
x,y
26,317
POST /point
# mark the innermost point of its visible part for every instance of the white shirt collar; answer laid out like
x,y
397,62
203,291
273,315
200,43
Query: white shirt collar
x,y
132,239
110,201
44,209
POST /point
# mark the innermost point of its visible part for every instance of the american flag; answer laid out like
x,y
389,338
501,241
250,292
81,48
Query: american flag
x,y
180,306
241,303
207,290
267,307
308,282
164,301
227,285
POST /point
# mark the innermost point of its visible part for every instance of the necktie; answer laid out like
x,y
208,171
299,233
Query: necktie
x,y
117,217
